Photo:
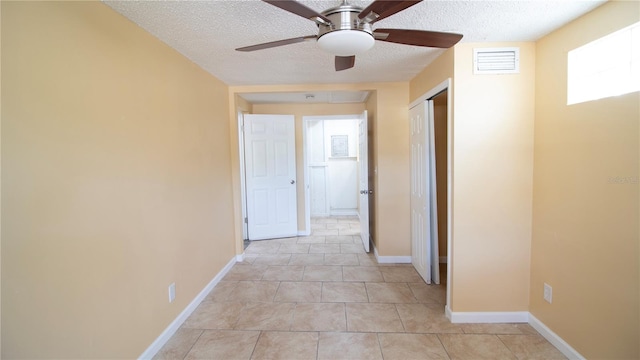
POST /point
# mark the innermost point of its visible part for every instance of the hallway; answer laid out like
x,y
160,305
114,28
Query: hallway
x,y
323,297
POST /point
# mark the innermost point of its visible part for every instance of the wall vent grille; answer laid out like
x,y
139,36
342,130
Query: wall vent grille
x,y
496,61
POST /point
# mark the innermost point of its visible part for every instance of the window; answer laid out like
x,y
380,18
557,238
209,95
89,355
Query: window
x,y
606,67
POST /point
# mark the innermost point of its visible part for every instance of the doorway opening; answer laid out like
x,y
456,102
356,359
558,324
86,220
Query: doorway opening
x,y
435,183
336,168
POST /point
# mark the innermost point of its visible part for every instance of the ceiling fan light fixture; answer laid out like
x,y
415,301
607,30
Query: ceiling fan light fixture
x,y
346,42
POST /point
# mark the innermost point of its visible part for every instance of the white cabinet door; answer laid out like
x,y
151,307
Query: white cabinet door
x,y
270,168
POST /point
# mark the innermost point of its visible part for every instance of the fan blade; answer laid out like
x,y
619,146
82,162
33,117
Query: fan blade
x,y
418,37
345,62
297,8
276,43
384,8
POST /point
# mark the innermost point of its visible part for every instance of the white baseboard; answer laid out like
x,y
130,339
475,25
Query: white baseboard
x,y
391,259
153,349
239,258
447,312
554,339
304,233
488,317
515,317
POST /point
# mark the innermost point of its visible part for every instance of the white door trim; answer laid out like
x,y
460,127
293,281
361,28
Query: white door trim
x,y
243,194
445,85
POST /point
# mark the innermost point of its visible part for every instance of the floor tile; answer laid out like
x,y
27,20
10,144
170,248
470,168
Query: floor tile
x,y
214,315
314,239
266,316
294,249
527,329
341,259
284,241
367,260
365,317
491,329
475,347
306,259
397,293
262,247
283,273
344,292
284,302
351,346
350,231
179,344
319,317
531,347
221,291
290,291
324,249
253,291
420,318
338,225
400,274
327,232
411,347
429,293
361,273
245,272
272,259
286,345
336,239
322,273
224,344
357,248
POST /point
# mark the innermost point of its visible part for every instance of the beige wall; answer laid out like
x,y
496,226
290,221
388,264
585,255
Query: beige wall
x,y
391,160
492,188
115,182
585,226
492,118
438,71
300,110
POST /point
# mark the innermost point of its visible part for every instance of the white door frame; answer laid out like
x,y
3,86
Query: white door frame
x,y
243,193
445,85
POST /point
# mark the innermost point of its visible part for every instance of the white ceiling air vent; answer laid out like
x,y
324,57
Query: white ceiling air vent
x,y
496,60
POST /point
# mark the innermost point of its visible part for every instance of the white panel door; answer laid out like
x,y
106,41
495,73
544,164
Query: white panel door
x,y
363,166
420,211
270,168
433,194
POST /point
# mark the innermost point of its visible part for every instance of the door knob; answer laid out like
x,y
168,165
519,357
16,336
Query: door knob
x,y
293,182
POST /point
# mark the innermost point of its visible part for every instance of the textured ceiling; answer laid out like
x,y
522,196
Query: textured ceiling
x,y
207,32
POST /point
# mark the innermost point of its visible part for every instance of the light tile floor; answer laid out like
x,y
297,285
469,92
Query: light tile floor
x,y
323,297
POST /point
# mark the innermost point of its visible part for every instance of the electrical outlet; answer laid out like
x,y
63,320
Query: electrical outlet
x,y
548,293
172,292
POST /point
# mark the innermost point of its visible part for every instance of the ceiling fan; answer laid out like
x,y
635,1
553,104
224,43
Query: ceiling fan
x,y
346,30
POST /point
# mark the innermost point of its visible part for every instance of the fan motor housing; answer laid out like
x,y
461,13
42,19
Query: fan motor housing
x,y
346,35
344,17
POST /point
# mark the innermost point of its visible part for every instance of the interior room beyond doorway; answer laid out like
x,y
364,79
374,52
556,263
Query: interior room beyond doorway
x,y
332,160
